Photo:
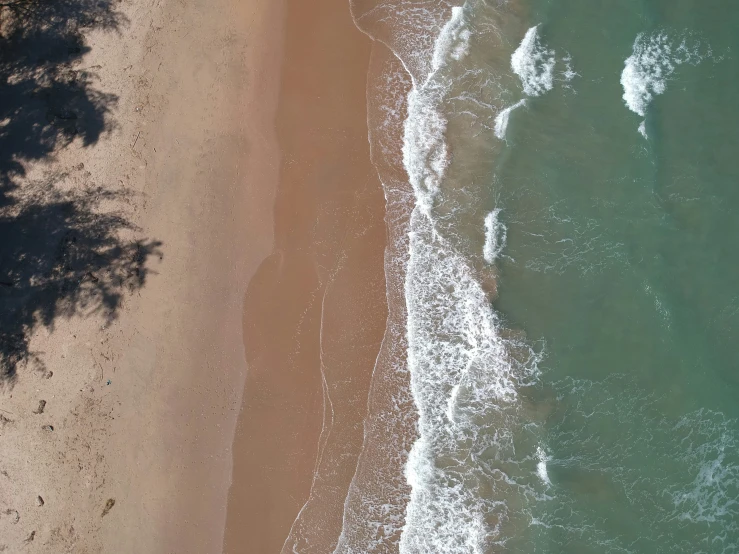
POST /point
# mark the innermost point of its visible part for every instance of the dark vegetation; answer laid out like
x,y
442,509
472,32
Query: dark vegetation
x,y
61,249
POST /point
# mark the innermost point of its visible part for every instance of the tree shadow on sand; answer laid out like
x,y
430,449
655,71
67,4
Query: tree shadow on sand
x,y
62,250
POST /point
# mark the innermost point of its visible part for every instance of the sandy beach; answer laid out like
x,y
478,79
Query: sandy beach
x,y
367,277
147,202
197,358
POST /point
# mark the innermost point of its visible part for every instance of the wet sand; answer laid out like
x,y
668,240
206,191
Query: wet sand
x,y
315,312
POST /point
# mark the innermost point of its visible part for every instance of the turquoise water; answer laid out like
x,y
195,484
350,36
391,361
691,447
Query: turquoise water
x,y
571,285
621,259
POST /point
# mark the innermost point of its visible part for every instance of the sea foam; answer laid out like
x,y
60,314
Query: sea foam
x,y
495,237
464,379
534,64
425,151
541,466
568,74
501,120
654,59
464,383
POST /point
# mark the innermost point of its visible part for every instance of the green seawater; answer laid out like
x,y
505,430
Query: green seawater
x,y
622,263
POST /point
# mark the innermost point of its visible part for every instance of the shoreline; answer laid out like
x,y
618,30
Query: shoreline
x,y
312,323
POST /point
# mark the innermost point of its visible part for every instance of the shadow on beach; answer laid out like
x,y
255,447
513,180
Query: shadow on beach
x,y
61,249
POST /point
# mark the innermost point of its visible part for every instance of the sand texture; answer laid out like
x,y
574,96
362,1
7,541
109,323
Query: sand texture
x,y
138,165
315,311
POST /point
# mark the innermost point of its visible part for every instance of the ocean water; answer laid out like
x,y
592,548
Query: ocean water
x,y
561,368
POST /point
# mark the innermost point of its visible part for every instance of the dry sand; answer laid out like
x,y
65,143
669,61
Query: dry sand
x,y
132,452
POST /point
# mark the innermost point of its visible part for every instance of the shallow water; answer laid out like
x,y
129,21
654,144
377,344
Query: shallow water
x,y
619,192
569,278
